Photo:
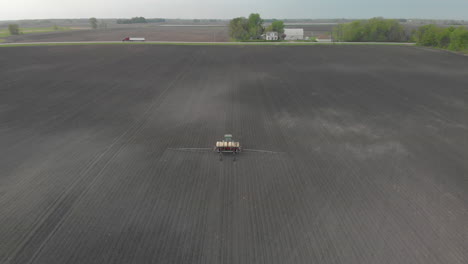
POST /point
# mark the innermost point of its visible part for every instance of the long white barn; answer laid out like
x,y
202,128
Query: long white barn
x,y
294,33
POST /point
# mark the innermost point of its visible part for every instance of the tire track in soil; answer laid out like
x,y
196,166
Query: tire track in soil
x,y
191,105
318,202
300,188
36,135
341,121
65,202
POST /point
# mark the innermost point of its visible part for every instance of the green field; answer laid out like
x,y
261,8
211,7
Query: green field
x,y
5,33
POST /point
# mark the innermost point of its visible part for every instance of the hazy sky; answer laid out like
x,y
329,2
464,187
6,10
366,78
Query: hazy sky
x,y
32,9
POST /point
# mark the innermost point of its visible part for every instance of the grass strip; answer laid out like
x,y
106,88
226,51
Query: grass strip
x,y
6,33
201,44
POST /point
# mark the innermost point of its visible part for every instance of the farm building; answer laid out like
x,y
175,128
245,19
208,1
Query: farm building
x,y
270,35
294,33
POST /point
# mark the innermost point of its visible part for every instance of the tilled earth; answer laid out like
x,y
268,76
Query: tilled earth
x,y
196,33
150,33
364,159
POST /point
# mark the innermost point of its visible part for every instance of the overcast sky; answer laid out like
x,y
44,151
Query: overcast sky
x,y
34,9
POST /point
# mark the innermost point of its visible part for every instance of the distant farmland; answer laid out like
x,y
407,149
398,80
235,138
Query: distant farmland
x,y
207,33
154,33
365,155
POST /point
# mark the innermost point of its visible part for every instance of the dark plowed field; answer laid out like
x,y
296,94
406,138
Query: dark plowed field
x,y
368,161
151,33
212,33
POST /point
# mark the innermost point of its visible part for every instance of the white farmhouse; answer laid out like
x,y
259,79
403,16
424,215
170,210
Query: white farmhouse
x,y
271,35
294,33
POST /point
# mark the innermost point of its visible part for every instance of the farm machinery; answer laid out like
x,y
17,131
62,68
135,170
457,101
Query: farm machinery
x,y
227,145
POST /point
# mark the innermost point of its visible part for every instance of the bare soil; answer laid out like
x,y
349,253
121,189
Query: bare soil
x,y
369,165
151,33
196,33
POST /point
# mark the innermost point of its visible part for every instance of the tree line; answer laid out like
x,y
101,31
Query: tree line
x,y
155,20
133,20
375,29
14,29
450,38
252,28
136,20
390,30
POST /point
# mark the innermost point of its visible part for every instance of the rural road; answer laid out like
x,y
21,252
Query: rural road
x,y
368,159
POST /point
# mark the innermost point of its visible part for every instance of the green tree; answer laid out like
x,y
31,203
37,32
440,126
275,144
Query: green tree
x,y
241,28
255,25
133,20
349,32
94,23
446,38
138,20
427,35
459,39
238,28
14,29
276,26
396,32
443,38
375,29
